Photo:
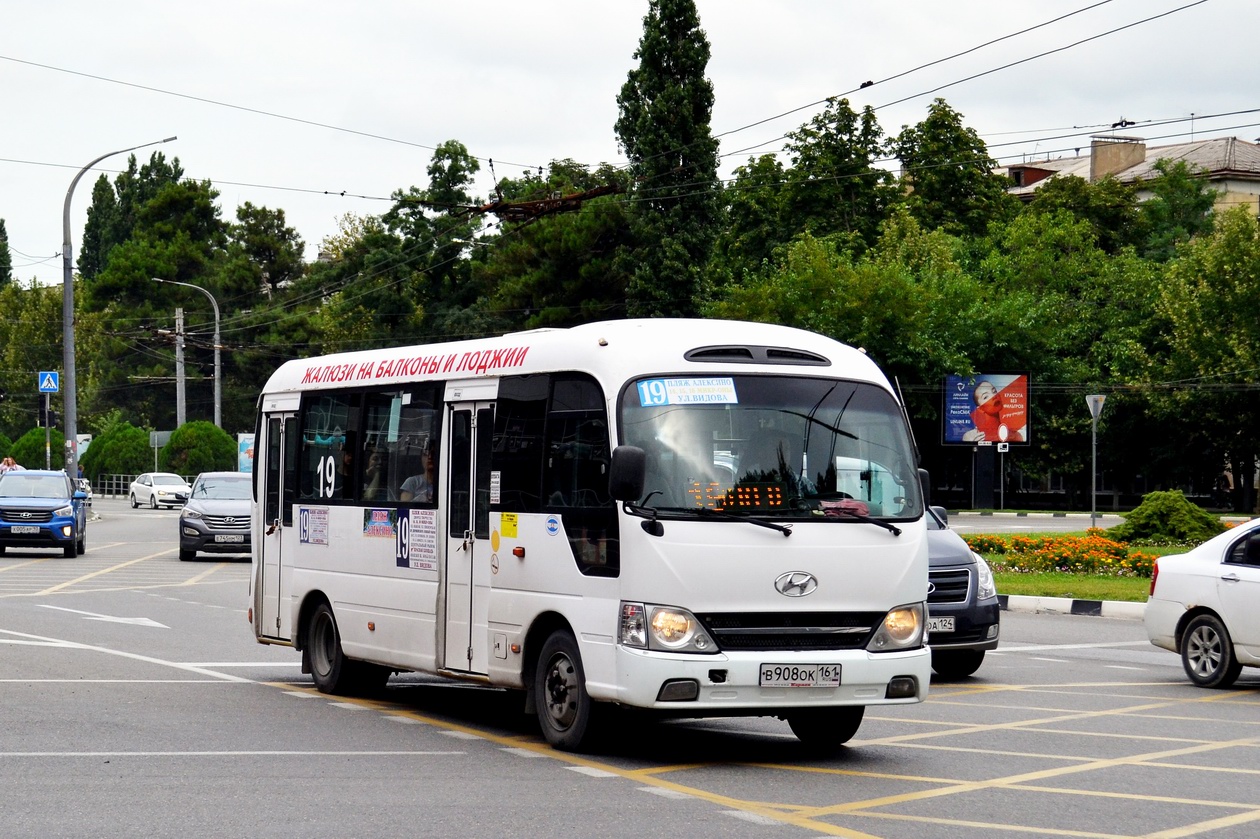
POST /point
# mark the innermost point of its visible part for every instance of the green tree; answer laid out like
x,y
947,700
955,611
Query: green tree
x,y
197,447
35,451
1179,208
756,224
1210,298
663,129
557,270
1110,207
118,448
6,258
834,185
30,341
114,212
949,174
263,253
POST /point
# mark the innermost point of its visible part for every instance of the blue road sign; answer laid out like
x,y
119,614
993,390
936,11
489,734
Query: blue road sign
x,y
49,381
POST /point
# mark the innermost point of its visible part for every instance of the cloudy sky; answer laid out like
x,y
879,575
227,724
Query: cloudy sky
x,y
324,108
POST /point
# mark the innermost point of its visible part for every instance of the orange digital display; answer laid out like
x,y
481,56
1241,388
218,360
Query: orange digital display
x,y
745,497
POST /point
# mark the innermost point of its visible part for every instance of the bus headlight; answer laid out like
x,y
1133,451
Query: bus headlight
x,y
901,629
663,628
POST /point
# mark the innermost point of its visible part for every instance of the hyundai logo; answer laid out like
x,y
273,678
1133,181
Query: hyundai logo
x,y
25,515
229,520
796,583
931,588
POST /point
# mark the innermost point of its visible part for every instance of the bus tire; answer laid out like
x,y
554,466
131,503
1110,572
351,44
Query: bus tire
x,y
330,669
565,710
826,729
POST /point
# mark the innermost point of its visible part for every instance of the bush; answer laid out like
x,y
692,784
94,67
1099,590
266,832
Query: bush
x,y
1167,518
120,449
29,449
197,447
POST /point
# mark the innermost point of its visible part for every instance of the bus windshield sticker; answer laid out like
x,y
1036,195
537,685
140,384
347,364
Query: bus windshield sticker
x,y
712,391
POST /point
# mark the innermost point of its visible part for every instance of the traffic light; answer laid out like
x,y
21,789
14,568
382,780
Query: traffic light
x,y
54,419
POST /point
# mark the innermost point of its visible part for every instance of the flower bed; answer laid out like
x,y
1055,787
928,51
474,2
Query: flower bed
x,y
1089,554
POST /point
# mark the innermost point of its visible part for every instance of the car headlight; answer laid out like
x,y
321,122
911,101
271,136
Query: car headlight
x,y
986,588
190,513
663,628
901,629
64,512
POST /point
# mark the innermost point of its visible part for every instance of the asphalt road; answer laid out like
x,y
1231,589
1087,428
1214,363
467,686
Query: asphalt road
x,y
136,703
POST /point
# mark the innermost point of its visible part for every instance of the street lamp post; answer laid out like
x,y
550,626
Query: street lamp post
x,y
71,406
218,391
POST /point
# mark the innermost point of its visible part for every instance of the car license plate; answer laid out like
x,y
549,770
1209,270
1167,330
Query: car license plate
x,y
230,537
800,675
940,625
24,528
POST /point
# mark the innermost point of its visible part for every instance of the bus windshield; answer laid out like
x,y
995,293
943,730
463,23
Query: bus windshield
x,y
772,446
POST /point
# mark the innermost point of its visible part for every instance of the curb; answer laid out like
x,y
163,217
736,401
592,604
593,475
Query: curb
x,y
1069,606
1027,515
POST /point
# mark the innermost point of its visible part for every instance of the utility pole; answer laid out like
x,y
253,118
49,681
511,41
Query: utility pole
x,y
179,368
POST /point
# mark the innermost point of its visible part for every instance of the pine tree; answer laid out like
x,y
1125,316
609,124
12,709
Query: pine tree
x,y
6,259
663,129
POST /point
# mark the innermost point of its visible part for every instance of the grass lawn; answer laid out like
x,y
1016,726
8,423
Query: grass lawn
x,y
1080,586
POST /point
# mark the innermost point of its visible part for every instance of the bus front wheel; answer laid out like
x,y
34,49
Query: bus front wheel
x,y
826,729
330,668
565,710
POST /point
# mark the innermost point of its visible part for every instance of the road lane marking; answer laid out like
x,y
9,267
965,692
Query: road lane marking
x,y
93,616
109,570
203,671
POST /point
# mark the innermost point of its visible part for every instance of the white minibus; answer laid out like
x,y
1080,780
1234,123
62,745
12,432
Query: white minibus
x,y
690,518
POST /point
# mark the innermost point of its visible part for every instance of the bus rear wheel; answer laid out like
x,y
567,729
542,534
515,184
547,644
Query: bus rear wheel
x,y
330,669
566,712
826,729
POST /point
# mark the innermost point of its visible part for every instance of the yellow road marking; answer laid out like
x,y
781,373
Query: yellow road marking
x,y
109,570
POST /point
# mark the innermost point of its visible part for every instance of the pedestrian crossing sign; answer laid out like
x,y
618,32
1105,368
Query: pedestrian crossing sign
x,y
49,381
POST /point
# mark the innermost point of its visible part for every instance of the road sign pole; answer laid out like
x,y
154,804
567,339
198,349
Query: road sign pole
x,y
1095,403
47,434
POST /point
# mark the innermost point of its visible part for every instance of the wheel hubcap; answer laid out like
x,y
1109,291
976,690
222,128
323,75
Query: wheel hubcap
x,y
561,687
1204,651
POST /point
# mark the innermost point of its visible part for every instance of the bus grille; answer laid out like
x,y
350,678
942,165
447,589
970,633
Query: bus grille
x,y
791,630
949,586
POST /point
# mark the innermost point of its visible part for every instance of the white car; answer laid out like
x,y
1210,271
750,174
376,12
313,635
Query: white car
x,y
159,489
1203,605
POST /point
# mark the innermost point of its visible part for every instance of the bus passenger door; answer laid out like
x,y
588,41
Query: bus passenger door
x,y
277,483
470,430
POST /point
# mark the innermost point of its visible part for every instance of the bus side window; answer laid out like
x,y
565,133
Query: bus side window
x,y
575,473
329,435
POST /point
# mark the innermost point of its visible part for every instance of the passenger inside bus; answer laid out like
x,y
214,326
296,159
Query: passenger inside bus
x,y
419,487
375,477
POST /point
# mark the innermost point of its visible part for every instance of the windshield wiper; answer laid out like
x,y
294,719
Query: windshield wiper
x,y
863,517
708,512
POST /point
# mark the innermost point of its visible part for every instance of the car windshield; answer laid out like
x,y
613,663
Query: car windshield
x,y
167,479
776,446
223,488
22,485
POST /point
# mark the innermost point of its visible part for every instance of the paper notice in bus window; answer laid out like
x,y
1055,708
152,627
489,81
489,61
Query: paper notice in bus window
x,y
417,540
379,524
713,391
313,525
494,487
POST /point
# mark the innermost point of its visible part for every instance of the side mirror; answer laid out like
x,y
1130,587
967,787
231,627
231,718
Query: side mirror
x,y
925,486
942,514
627,473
